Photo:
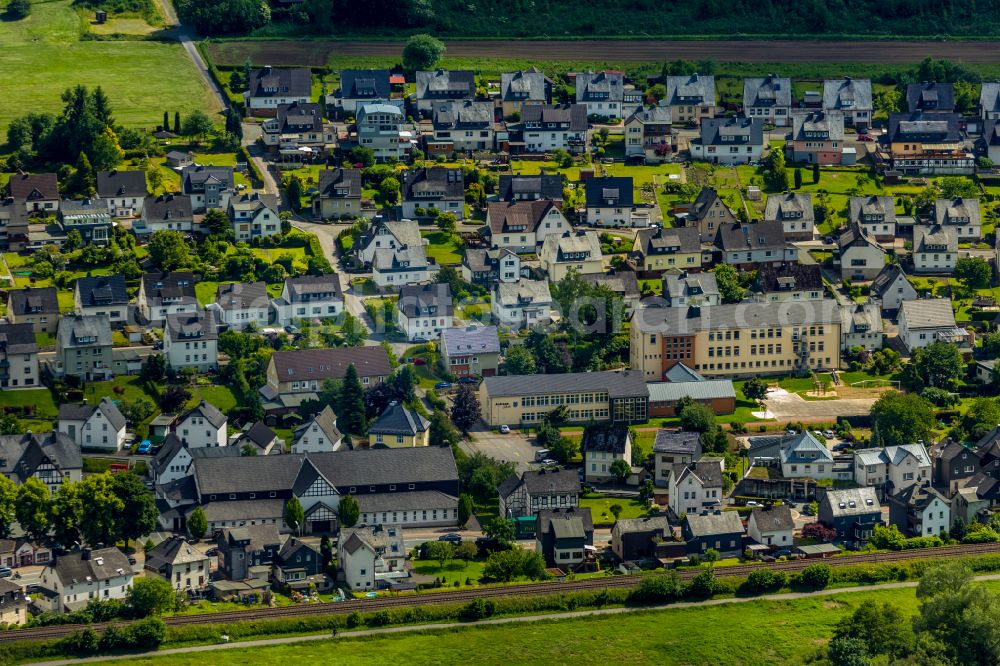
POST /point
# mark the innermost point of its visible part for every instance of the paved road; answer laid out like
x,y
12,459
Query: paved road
x,y
317,53
252,132
502,620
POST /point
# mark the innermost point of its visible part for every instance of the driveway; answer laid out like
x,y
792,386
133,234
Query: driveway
x,y
252,132
514,447
784,406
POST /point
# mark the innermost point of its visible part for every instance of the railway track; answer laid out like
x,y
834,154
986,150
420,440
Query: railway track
x,y
547,588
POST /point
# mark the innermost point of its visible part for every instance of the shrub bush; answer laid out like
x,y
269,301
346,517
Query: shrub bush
x,y
765,580
816,576
658,589
478,609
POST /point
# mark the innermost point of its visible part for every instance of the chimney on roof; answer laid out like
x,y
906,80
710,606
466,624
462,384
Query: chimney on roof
x,y
85,554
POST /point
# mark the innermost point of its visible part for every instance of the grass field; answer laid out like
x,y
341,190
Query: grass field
x,y
756,633
443,248
43,55
600,508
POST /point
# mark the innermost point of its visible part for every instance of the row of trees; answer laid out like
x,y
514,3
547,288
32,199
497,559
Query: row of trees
x,y
101,509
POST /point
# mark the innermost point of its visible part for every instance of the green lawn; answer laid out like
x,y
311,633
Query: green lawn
x,y
600,508
755,633
454,570
132,386
41,399
218,395
43,55
443,248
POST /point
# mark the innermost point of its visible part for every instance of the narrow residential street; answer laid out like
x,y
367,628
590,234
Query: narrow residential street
x,y
252,132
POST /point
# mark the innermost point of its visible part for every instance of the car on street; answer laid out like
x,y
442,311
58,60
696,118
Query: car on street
x,y
843,446
468,380
212,552
548,462
442,386
131,559
753,503
451,537
829,434
145,446
865,138
505,429
5,572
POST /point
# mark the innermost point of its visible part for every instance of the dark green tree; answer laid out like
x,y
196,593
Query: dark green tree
x,y
349,511
465,509
697,418
466,411
798,179
902,418
422,52
33,508
85,179
177,122
197,523
729,283
350,406
151,595
815,173
755,389
518,360
973,272
139,515
294,515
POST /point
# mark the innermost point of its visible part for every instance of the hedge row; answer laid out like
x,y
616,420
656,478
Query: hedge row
x,y
316,250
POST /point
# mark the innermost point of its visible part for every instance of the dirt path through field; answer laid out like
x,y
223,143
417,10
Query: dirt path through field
x,y
315,53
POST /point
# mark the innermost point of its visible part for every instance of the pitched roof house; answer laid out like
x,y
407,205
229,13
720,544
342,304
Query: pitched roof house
x,y
768,98
771,526
270,86
789,282
161,294
891,287
442,85
522,88
526,494
105,295
851,97
99,426
930,97
735,140
399,427
38,193
721,531
38,306
661,249
691,98
318,434
338,194
434,187
520,226
531,188
753,245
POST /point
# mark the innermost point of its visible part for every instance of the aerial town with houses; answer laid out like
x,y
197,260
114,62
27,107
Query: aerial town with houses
x,y
375,338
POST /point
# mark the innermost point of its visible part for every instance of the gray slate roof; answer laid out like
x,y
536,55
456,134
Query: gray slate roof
x,y
326,420
188,326
33,300
928,313
566,117
21,455
103,564
364,83
446,84
694,89
609,191
681,240
398,420
789,277
678,442
815,124
18,338
724,522
923,127
525,86
433,184
242,295
690,285
847,95
930,96
209,412
602,86
773,519
470,340
851,501
708,471
768,91
462,115
607,436
747,131
75,412
989,97
617,384
280,82
425,300
340,183
957,211
84,331
934,238
542,186
623,283
886,278
528,291
125,183
763,235
102,291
